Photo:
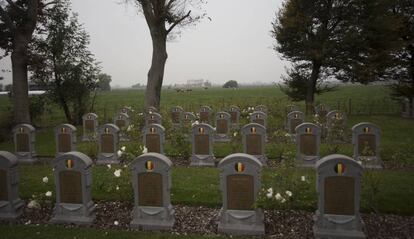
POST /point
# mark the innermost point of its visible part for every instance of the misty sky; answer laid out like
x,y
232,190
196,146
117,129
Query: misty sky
x,y
235,45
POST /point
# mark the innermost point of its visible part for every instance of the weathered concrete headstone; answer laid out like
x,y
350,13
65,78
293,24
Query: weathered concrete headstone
x,y
335,126
188,118
408,108
322,110
308,141
259,117
154,137
126,110
73,183
294,119
335,117
11,206
222,127
151,180
108,136
205,114
90,126
290,108
122,121
262,108
254,140
366,141
240,182
153,118
24,137
235,116
339,191
202,143
176,115
65,138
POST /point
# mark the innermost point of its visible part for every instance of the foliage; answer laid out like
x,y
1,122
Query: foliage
x,y
38,106
231,84
63,64
104,81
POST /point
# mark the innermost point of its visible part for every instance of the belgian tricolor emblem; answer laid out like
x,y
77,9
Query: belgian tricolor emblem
x,y
106,130
149,165
21,130
340,168
239,167
69,163
63,130
152,130
201,130
308,130
253,130
366,130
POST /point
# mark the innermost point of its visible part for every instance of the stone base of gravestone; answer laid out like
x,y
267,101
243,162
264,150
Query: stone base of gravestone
x,y
153,218
74,213
371,162
241,222
107,158
202,160
222,138
320,232
11,210
26,157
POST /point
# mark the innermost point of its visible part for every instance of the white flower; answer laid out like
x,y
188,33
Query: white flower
x,y
278,196
28,222
283,200
125,166
45,179
303,178
235,134
48,194
141,114
116,223
287,135
109,166
270,190
117,173
129,128
119,153
360,162
117,188
123,148
144,150
33,204
289,193
269,194
316,115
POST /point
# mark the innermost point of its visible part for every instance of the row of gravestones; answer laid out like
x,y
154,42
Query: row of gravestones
x,y
338,185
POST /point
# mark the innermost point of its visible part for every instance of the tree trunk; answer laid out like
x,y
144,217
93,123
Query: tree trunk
x,y
19,59
411,70
311,87
156,72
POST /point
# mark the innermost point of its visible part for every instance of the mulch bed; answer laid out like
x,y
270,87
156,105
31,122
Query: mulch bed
x,y
203,221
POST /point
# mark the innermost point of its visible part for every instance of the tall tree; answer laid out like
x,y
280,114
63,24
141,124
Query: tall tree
x,y
104,81
18,21
62,62
162,17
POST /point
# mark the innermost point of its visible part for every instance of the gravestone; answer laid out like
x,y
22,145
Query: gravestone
x,y
65,138
366,141
205,114
335,126
335,117
73,183
188,119
240,183
154,137
308,141
11,206
152,109
408,108
235,116
122,120
338,186
176,115
290,108
261,108
24,137
90,126
126,110
322,110
153,118
294,119
222,127
108,136
259,117
202,145
151,180
254,140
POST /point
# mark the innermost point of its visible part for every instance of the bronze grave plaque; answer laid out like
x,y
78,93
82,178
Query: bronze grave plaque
x,y
308,144
222,126
70,187
150,189
175,117
294,123
339,195
153,143
64,143
90,125
233,118
22,143
240,193
120,123
254,144
366,145
107,141
4,192
201,144
204,116
259,121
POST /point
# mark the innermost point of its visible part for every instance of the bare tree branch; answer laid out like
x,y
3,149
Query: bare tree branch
x,y
7,20
178,22
11,3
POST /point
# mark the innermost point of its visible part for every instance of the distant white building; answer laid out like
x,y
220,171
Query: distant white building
x,y
195,83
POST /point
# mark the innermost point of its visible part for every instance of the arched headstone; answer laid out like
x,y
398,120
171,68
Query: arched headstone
x,y
366,141
154,137
202,145
235,116
294,119
254,140
262,108
205,114
108,136
24,136
176,115
65,137
259,117
122,121
153,118
308,141
222,127
90,126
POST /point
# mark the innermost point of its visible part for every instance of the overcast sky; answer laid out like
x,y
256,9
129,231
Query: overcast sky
x,y
235,45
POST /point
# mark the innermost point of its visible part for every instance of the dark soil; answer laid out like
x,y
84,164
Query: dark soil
x,y
203,221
